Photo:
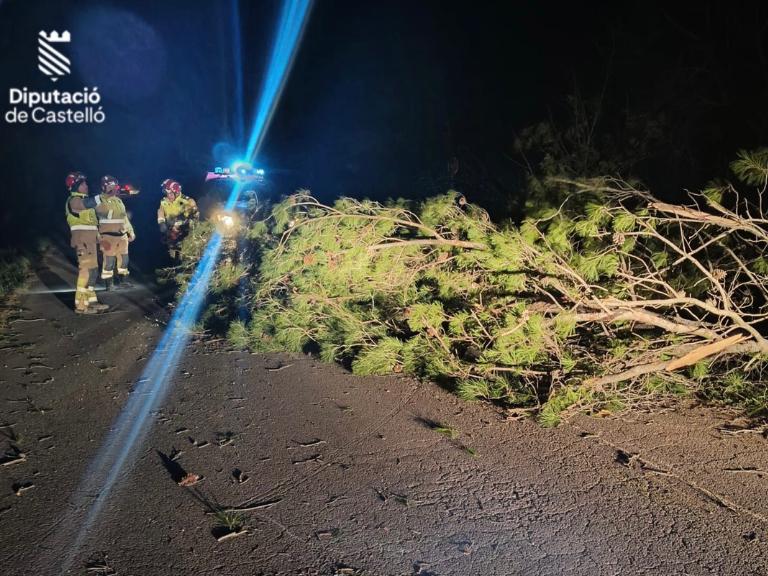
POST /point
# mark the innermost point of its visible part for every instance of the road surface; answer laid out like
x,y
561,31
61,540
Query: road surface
x,y
346,475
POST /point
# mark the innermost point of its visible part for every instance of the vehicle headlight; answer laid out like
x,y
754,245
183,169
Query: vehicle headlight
x,y
226,223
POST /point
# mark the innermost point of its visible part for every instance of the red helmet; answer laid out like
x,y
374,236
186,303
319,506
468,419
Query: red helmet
x,y
171,186
109,183
73,180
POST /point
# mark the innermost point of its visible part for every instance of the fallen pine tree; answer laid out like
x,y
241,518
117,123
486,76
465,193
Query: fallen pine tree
x,y
610,301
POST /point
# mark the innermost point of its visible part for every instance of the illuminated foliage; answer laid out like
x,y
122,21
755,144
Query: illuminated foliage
x,y
612,300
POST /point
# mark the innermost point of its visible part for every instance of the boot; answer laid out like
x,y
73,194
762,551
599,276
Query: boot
x,y
109,284
98,307
86,310
125,281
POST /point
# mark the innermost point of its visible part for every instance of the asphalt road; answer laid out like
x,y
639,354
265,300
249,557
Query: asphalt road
x,y
337,474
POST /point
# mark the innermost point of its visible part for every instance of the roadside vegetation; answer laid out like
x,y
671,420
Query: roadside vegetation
x,y
14,270
14,267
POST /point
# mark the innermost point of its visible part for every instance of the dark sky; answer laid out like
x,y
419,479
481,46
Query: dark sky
x,y
381,96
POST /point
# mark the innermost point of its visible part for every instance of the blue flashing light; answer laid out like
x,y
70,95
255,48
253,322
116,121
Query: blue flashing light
x,y
241,168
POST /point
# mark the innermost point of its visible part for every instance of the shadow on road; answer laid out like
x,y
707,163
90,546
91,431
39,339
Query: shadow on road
x,y
61,288
174,469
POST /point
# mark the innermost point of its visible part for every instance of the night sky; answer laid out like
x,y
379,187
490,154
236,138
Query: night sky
x,y
381,97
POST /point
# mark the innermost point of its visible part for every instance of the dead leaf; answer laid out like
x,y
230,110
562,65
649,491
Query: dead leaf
x,y
189,480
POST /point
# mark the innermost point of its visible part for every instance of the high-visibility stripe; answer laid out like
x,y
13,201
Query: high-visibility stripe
x,y
112,221
160,220
107,274
123,271
83,227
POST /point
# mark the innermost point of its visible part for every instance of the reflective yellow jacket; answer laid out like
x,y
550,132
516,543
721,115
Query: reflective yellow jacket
x,y
183,208
79,217
113,218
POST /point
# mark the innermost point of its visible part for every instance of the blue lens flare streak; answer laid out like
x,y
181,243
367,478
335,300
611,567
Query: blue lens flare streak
x,y
133,423
237,58
151,389
293,19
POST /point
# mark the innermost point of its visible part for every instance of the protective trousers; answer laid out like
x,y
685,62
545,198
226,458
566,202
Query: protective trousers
x,y
87,271
115,250
173,240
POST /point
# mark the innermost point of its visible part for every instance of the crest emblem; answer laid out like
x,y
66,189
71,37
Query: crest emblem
x,y
50,60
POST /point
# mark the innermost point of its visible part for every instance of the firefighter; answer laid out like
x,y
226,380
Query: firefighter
x,y
83,226
174,216
115,233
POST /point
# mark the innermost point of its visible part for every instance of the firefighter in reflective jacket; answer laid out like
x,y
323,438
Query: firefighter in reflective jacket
x,y
174,216
115,232
83,226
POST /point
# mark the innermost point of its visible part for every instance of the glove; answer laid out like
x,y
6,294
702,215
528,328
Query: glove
x,y
131,237
163,228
